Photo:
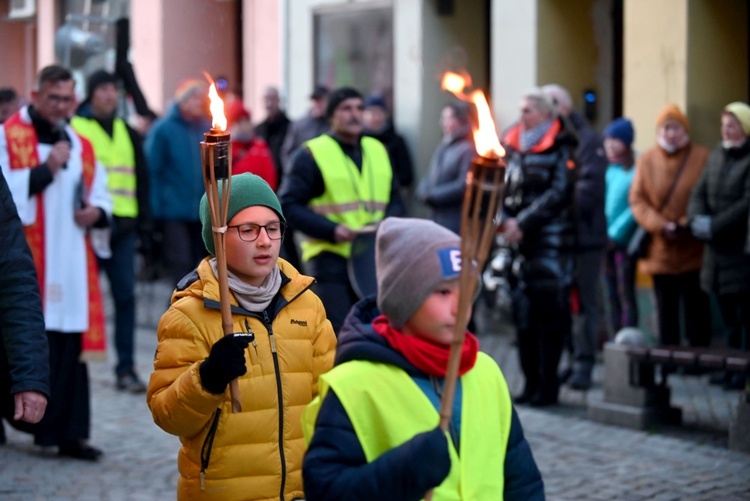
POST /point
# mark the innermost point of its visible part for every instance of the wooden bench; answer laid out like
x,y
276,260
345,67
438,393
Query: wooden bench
x,y
637,394
694,358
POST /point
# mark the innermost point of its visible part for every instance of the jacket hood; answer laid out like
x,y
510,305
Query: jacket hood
x,y
358,341
201,283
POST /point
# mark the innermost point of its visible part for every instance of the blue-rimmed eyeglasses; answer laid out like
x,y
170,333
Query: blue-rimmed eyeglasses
x,y
249,232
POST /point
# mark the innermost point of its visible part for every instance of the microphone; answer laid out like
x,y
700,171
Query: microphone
x,y
61,135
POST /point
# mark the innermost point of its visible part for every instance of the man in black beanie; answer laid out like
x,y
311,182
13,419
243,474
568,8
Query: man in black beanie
x,y
119,149
338,183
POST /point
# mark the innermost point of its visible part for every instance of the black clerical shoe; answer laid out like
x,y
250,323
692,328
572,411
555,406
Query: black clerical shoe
x,y
80,450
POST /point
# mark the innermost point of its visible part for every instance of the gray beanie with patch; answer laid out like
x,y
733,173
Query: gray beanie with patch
x,y
412,257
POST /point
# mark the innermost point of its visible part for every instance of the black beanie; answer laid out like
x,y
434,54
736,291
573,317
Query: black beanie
x,y
338,96
96,79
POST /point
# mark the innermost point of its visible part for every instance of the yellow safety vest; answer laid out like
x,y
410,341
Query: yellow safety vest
x,y
387,408
117,155
351,197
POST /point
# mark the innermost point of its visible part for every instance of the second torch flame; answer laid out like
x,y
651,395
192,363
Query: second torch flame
x,y
486,141
218,119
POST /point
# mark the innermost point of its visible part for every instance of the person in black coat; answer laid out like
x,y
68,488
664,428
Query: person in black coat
x,y
538,225
591,234
718,215
24,354
378,125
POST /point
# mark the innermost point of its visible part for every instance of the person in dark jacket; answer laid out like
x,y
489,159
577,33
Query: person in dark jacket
x,y
538,226
176,175
718,212
310,126
380,440
119,148
24,354
591,226
443,188
378,124
273,129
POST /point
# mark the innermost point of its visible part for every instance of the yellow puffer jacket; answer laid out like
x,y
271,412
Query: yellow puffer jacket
x,y
255,454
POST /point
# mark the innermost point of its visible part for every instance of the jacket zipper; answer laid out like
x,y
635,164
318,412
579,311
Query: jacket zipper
x,y
280,401
208,444
209,441
255,343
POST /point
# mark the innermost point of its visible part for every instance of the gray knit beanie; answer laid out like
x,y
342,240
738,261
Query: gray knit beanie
x,y
247,190
412,257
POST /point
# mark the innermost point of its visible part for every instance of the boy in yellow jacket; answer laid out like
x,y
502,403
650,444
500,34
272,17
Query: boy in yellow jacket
x,y
255,454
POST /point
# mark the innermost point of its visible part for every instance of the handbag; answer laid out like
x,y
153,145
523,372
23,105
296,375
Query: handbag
x,y
640,242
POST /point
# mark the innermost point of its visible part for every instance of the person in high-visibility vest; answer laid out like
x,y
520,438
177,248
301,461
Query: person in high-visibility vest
x,y
338,183
119,149
373,429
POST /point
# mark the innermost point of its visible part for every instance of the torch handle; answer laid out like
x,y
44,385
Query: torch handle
x,y
226,318
213,174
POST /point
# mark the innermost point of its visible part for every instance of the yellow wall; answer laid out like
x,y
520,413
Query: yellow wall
x,y
717,63
655,53
567,50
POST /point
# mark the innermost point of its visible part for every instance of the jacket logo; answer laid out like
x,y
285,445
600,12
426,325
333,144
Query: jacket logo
x,y
302,323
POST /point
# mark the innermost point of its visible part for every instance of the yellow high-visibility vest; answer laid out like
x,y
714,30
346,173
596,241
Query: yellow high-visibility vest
x,y
117,155
351,197
387,408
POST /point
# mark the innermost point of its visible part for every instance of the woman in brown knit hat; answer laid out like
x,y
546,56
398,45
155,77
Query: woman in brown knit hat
x,y
664,177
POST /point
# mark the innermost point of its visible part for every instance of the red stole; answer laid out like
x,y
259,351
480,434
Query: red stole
x,y
23,154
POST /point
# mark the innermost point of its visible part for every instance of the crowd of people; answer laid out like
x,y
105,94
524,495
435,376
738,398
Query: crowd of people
x,y
82,190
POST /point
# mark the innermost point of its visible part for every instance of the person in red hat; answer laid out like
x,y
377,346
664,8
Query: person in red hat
x,y
250,153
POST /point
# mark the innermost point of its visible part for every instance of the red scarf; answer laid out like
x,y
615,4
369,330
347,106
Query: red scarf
x,y
430,358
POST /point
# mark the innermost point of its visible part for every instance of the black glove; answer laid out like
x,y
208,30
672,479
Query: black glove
x,y
226,362
432,444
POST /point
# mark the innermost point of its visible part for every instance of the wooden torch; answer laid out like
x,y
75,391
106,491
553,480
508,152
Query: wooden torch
x,y
216,158
485,184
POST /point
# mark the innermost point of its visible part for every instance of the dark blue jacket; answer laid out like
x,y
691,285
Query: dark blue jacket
x,y
24,354
591,170
335,467
173,156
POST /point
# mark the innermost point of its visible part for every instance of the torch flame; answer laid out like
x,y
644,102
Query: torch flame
x,y
486,141
218,119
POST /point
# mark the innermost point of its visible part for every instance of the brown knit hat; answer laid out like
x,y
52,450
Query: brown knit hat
x,y
672,111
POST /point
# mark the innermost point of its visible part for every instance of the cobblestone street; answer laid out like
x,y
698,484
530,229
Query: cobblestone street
x,y
579,459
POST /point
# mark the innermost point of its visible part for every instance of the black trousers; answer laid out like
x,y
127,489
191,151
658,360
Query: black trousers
x,y
332,286
540,342
735,311
183,247
67,417
695,315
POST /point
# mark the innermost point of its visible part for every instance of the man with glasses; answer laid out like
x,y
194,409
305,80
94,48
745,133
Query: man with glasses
x,y
257,453
60,192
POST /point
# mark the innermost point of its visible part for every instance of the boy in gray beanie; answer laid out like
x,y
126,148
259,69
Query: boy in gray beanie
x,y
372,430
